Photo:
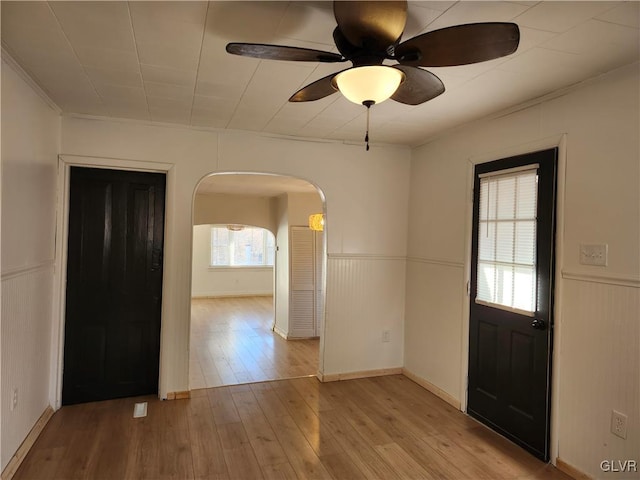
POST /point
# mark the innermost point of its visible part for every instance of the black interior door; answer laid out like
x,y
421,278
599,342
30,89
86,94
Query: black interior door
x,y
114,284
511,298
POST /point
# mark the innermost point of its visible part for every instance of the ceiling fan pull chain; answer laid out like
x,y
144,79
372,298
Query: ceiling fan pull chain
x,y
367,104
366,135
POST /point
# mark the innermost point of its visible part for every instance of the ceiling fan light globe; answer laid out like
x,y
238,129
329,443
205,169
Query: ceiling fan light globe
x,y
374,83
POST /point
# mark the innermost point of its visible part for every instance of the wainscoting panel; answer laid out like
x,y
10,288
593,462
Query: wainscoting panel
x,y
365,302
26,343
599,362
433,324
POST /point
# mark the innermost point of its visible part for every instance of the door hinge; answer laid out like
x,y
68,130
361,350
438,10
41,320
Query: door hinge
x,y
468,288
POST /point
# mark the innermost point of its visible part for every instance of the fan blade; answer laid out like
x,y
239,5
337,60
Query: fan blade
x,y
459,45
316,90
374,25
418,87
280,52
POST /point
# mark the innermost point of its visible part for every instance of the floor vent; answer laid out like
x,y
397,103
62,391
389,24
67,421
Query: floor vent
x,y
140,410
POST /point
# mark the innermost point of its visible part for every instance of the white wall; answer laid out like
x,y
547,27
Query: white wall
x,y
30,142
281,299
221,281
597,360
355,183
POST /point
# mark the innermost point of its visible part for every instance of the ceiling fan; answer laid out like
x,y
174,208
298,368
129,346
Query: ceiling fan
x,y
369,33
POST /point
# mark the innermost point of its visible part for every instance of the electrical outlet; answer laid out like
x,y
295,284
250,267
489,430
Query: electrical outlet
x,y
618,424
386,336
594,254
14,398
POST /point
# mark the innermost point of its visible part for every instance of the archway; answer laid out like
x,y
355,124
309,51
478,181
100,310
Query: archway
x,y
245,329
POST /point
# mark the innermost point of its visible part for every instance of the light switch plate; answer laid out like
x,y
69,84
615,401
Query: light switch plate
x,y
594,254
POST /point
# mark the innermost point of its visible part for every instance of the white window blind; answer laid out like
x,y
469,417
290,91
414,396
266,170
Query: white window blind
x,y
506,273
248,246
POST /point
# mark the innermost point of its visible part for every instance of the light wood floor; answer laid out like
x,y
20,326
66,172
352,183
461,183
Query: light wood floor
x,y
232,343
382,428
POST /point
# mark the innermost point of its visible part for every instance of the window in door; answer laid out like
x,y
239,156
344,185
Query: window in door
x,y
506,274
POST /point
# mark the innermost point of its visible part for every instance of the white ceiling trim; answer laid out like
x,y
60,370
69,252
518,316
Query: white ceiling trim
x,y
529,103
11,62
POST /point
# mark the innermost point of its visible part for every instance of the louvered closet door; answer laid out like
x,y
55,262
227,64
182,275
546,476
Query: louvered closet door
x,y
302,281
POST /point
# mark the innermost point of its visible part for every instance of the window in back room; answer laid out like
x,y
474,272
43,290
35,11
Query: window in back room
x,y
241,246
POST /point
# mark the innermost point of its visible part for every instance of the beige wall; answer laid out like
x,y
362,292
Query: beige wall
x,y
301,205
596,358
354,182
30,144
219,208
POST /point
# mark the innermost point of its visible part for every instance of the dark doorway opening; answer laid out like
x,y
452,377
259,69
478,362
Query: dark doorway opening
x,y
114,284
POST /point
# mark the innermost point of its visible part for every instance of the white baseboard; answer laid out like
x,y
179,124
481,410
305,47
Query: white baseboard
x,y
15,462
570,470
231,295
437,391
280,332
336,377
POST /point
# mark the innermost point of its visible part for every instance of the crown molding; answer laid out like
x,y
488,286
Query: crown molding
x,y
8,59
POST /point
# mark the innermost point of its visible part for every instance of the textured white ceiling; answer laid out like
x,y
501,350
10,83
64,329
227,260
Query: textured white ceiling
x,y
166,62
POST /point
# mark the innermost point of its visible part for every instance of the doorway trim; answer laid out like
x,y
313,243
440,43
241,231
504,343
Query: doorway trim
x,y
320,192
558,141
65,162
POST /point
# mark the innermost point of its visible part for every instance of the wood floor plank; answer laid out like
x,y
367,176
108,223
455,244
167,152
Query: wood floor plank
x,y
206,449
222,406
106,460
402,462
309,389
270,402
434,409
380,428
340,466
261,436
239,456
40,463
164,450
307,421
398,424
365,426
80,444
232,342
500,451
301,456
282,471
368,461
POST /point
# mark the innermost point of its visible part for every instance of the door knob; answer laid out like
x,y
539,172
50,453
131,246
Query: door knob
x,y
538,324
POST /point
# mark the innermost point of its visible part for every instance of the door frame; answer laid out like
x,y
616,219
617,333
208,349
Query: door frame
x,y
323,199
65,162
559,142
